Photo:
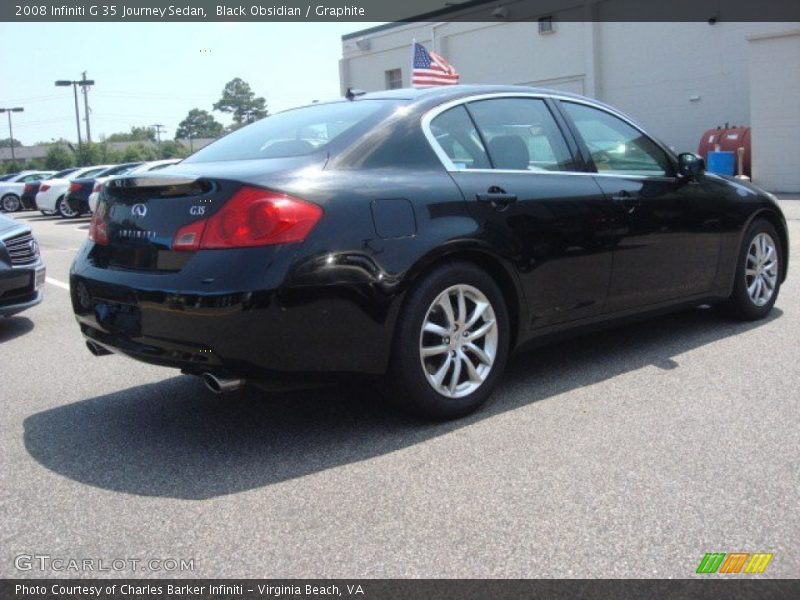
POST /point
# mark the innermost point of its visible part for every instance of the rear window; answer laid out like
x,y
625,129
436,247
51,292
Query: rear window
x,y
62,174
296,132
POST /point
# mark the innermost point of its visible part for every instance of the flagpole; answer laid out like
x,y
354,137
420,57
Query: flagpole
x,y
411,73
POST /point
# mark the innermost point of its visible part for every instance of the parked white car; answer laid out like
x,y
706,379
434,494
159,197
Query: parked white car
x,y
51,198
11,188
152,165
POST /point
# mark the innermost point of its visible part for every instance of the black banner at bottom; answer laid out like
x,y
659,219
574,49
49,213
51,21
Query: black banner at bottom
x,y
380,589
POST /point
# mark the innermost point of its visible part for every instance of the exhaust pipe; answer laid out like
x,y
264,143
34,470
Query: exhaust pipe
x,y
221,385
97,350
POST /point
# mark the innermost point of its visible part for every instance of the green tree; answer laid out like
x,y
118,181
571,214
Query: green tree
x,y
87,155
137,152
198,124
7,143
58,157
239,100
108,155
35,164
171,149
137,134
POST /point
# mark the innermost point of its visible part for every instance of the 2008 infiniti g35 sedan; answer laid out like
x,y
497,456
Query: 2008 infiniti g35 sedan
x,y
421,234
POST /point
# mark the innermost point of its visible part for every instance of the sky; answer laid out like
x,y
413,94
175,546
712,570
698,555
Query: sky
x,y
147,73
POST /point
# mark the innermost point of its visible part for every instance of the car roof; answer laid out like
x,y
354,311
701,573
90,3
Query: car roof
x,y
447,93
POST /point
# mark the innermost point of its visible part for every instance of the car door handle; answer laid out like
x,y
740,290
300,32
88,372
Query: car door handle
x,y
628,200
497,199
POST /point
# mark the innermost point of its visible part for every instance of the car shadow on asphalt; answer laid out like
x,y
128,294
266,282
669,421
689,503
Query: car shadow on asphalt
x,y
12,327
175,439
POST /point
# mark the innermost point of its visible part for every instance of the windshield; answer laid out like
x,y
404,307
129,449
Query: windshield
x,y
295,132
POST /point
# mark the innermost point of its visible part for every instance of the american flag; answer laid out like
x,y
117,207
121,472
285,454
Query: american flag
x,y
430,69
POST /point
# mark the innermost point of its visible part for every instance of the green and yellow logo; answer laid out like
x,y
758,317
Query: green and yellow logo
x,y
734,562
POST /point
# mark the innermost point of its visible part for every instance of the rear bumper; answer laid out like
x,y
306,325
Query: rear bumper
x,y
243,322
77,202
46,201
28,201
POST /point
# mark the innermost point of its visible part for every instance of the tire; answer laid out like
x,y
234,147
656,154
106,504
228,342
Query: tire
x,y
11,203
413,376
64,211
749,302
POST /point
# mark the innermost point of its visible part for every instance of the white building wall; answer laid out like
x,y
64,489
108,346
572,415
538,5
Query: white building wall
x,y
677,79
775,106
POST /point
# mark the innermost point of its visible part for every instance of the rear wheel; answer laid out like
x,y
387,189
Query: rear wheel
x,y
10,203
65,210
758,273
451,343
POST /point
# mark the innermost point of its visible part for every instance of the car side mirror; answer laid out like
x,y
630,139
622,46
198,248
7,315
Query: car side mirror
x,y
690,164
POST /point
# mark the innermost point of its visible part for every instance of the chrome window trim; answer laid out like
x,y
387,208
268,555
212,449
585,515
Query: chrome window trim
x,y
451,168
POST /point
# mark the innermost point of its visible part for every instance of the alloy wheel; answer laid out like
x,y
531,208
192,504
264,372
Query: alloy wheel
x,y
458,342
64,208
10,203
761,269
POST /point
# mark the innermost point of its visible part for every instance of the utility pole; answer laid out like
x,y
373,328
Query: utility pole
x,y
85,84
158,127
11,130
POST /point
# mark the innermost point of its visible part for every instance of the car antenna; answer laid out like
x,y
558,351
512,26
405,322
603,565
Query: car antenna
x,y
351,94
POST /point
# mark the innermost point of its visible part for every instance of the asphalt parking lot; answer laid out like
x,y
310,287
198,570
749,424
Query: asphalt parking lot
x,y
629,453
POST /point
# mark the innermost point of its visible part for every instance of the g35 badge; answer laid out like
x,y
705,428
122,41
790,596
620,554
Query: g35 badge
x,y
197,210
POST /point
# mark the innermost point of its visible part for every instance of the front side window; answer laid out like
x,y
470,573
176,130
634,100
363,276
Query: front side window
x,y
616,147
521,134
456,135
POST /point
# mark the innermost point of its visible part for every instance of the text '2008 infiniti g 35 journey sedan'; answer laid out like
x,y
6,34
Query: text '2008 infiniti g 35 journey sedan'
x,y
423,234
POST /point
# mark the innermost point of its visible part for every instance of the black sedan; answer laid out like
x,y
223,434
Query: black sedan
x,y
21,269
28,198
421,234
77,198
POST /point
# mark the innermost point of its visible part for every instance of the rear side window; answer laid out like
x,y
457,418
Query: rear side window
x,y
457,137
521,134
295,132
616,147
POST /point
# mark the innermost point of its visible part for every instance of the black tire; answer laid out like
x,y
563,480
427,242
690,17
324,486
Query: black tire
x,y
62,207
411,389
11,203
740,305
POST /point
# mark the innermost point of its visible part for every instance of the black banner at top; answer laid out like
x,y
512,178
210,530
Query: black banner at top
x,y
396,589
406,10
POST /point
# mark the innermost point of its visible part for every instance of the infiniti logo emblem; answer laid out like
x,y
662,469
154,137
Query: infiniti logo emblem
x,y
34,247
138,210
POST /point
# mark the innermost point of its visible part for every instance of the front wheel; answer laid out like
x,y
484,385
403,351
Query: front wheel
x,y
65,210
10,203
758,273
452,342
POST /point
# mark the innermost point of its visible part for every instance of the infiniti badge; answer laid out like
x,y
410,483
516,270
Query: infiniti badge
x,y
138,210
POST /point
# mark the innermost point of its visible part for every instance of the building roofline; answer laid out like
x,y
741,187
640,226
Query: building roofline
x,y
434,15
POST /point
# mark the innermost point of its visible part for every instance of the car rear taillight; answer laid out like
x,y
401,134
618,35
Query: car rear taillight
x,y
44,187
74,187
252,217
28,188
98,229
